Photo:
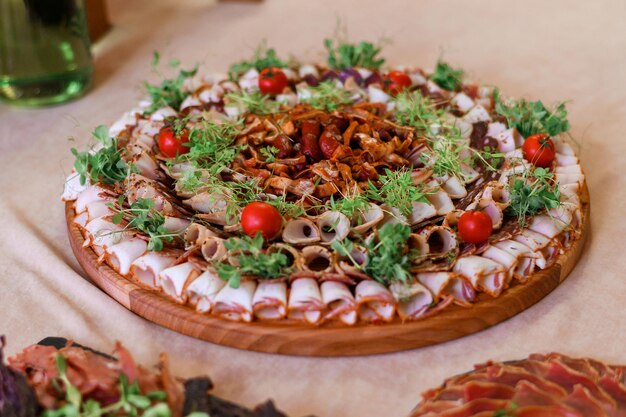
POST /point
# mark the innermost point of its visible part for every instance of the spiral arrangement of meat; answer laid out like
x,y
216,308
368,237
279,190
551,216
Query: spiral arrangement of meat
x,y
552,385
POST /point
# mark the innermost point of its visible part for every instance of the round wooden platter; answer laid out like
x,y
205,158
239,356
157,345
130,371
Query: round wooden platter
x,y
329,339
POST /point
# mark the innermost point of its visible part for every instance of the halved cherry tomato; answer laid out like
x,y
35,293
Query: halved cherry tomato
x,y
397,81
261,217
539,150
171,144
475,226
272,81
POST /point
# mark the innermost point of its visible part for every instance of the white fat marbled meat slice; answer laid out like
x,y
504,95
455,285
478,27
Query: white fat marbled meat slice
x,y
477,114
146,268
103,233
413,299
305,300
526,257
495,128
435,281
374,301
72,187
421,211
127,119
377,95
163,113
339,301
235,303
509,140
201,291
174,279
122,255
460,289
462,102
484,274
99,208
88,195
502,257
270,300
441,201
565,160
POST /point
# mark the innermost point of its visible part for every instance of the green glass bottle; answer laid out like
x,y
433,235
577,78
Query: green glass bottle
x,y
45,55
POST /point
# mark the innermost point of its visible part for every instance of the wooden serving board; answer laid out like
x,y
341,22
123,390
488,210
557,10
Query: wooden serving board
x,y
328,339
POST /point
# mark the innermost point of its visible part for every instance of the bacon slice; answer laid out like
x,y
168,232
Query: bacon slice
x,y
339,301
305,301
270,300
235,303
375,302
201,291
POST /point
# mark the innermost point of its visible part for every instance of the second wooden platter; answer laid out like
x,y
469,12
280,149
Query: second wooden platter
x,y
328,340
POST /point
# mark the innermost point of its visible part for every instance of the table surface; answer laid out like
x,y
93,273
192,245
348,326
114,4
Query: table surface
x,y
557,50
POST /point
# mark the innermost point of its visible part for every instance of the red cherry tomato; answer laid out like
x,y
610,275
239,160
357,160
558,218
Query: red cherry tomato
x,y
475,226
261,217
539,150
397,81
272,81
172,145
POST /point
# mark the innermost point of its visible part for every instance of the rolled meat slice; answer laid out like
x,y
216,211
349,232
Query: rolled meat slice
x,y
504,258
145,270
270,300
375,303
441,201
88,195
340,303
484,274
201,291
72,186
102,233
526,258
121,256
174,280
414,299
460,290
544,247
305,301
99,208
235,303
435,282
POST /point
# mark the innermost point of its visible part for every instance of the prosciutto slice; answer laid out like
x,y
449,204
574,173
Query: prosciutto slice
x,y
542,385
375,303
339,301
305,301
235,303
201,291
484,274
270,300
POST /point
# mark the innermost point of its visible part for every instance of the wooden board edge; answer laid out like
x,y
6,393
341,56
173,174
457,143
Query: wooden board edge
x,y
303,340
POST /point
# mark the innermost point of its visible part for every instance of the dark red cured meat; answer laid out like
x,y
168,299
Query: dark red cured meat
x,y
540,386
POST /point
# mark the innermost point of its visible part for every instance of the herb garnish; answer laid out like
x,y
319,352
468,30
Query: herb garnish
x,y
417,111
269,152
530,117
106,164
388,257
132,401
263,58
327,96
342,55
252,261
533,191
447,77
253,102
170,91
143,217
397,190
351,203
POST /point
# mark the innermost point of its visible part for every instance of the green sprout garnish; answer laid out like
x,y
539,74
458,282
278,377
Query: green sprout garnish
x,y
447,77
327,96
170,91
263,58
253,102
342,55
397,190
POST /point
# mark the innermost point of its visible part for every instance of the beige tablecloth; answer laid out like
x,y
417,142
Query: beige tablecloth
x,y
574,50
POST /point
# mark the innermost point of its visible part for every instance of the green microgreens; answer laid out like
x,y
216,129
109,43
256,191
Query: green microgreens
x,y
342,55
132,401
327,96
508,412
104,165
211,145
531,117
170,91
397,190
388,257
269,152
287,208
252,261
351,203
445,156
447,77
417,111
143,217
253,102
263,58
531,192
